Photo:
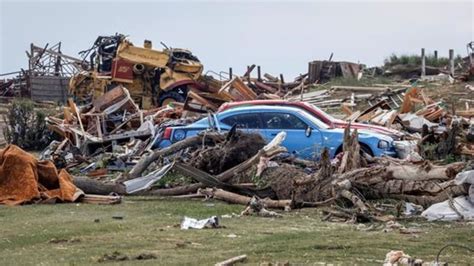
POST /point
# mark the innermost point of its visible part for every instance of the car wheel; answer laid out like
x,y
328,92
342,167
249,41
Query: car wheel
x,y
171,96
363,149
366,149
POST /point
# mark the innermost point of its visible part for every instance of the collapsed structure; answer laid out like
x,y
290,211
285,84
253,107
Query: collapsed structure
x,y
108,136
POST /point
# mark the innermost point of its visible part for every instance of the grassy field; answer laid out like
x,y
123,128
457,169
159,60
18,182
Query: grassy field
x,y
80,234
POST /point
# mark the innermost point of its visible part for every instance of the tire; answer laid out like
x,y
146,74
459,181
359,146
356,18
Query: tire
x,y
366,149
172,96
363,149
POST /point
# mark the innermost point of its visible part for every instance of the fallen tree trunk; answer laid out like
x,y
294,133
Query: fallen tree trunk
x,y
91,186
424,172
143,164
181,190
244,200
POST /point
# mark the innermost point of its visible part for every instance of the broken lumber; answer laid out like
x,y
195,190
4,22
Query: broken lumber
x,y
357,88
232,261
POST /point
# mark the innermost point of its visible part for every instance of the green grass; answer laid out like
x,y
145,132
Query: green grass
x,y
150,225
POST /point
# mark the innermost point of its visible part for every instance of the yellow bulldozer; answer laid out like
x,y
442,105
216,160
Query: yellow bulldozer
x,y
153,77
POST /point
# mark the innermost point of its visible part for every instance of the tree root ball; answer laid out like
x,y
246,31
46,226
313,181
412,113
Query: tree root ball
x,y
223,156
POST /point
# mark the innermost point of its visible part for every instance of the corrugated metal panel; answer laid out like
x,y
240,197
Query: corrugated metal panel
x,y
49,88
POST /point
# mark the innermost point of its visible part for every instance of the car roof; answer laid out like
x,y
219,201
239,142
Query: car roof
x,y
230,105
263,108
276,108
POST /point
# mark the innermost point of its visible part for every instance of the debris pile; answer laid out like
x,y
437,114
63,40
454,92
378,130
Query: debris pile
x,y
352,180
111,131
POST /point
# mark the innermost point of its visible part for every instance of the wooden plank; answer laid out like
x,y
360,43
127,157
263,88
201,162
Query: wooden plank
x,y
232,261
237,90
353,116
266,87
393,85
392,119
346,109
407,105
202,101
270,77
358,88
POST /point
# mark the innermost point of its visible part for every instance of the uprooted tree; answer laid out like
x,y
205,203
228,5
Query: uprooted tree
x,y
344,189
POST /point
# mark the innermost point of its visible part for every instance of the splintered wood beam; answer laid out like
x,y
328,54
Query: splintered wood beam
x,y
249,70
232,261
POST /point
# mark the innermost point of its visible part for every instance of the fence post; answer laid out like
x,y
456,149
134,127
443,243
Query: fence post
x,y
423,63
451,62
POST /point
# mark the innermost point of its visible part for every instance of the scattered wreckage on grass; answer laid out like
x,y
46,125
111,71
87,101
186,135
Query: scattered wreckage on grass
x,y
112,145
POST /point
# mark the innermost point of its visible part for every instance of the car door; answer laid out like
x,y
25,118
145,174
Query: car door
x,y
302,140
247,122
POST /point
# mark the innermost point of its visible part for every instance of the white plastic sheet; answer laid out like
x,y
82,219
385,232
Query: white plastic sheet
x,y
466,177
187,223
443,212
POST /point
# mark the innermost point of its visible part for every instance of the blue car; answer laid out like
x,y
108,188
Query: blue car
x,y
306,136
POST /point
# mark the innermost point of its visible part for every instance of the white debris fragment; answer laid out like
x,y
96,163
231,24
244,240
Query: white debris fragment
x,y
187,223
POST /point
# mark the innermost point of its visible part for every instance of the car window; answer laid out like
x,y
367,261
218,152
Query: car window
x,y
243,120
282,121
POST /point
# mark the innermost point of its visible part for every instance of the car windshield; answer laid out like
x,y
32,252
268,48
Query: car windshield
x,y
326,115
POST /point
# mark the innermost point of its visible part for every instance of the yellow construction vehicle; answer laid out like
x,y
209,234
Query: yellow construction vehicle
x,y
153,77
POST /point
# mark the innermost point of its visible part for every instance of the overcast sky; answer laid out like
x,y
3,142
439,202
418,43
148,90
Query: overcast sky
x,y
280,36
